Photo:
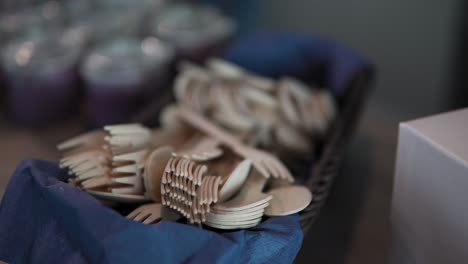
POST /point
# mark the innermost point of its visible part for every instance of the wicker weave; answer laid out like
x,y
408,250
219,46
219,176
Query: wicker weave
x,y
326,168
329,163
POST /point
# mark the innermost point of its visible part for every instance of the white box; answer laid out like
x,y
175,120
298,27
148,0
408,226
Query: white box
x,y
430,194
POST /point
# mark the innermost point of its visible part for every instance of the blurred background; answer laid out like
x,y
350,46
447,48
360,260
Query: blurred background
x,y
102,50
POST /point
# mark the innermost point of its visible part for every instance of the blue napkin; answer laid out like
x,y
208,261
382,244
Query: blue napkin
x,y
312,59
44,220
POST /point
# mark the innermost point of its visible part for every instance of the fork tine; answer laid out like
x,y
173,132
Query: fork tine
x,y
90,174
129,130
169,165
122,126
176,167
96,182
89,171
137,156
79,140
95,155
271,167
164,178
151,219
195,174
128,133
62,166
85,148
202,172
71,143
69,164
274,163
190,170
127,190
119,141
141,216
84,166
285,173
216,193
100,160
76,164
134,213
83,171
186,168
131,136
182,167
73,159
117,150
261,169
136,132
131,168
131,180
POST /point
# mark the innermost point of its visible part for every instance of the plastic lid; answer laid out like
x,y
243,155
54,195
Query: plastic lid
x,y
187,26
39,53
125,61
14,23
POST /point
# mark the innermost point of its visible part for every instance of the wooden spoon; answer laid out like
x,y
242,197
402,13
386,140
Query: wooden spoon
x,y
225,70
235,180
213,217
229,227
250,195
90,140
250,210
154,169
288,200
232,222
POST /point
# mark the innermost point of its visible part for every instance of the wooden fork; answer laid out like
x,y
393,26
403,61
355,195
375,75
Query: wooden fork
x,y
95,156
154,212
264,162
90,140
127,137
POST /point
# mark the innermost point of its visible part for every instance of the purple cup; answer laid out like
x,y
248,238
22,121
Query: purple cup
x,y
121,75
197,32
41,80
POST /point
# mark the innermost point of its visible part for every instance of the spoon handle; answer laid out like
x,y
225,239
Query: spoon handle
x,y
204,125
255,182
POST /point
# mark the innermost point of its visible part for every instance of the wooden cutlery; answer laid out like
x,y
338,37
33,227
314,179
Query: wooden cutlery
x,y
288,200
83,142
153,212
258,108
212,160
267,164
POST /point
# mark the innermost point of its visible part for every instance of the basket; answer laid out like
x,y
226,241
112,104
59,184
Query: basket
x,y
325,169
327,166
